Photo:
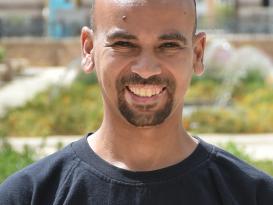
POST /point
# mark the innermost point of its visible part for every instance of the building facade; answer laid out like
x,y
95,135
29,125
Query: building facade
x,y
54,18
64,18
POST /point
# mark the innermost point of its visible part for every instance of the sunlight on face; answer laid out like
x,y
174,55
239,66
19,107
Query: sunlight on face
x,y
144,62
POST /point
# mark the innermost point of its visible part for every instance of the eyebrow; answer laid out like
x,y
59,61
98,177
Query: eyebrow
x,y
174,36
119,34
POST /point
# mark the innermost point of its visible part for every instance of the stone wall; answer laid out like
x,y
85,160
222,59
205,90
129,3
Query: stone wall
x,y
48,52
42,51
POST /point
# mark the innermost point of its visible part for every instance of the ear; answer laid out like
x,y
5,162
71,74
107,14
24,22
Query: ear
x,y
87,63
199,48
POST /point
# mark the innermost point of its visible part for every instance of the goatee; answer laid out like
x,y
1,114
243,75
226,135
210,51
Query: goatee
x,y
142,119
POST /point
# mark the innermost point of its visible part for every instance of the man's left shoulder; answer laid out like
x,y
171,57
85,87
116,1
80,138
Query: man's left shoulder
x,y
225,159
242,174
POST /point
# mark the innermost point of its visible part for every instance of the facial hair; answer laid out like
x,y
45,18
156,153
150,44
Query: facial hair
x,y
140,119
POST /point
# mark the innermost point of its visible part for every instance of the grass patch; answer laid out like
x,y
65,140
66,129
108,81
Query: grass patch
x,y
11,160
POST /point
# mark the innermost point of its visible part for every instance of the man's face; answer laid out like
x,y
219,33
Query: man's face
x,y
144,56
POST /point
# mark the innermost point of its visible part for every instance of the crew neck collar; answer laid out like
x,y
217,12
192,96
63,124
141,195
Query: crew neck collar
x,y
105,169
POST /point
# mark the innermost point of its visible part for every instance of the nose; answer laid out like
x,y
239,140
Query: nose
x,y
146,65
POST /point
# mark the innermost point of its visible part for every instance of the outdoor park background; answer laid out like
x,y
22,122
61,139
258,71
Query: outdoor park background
x,y
44,94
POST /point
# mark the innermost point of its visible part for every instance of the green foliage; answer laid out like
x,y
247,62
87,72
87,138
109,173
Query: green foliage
x,y
212,120
264,165
87,79
252,81
253,76
242,118
250,109
224,11
203,90
66,111
2,54
11,160
236,151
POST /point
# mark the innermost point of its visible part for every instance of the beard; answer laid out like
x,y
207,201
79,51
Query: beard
x,y
140,119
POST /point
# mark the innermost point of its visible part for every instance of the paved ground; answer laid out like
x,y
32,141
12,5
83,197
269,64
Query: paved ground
x,y
257,146
31,82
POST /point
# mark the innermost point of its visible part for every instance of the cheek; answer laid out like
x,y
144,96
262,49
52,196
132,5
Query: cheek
x,y
180,62
181,68
108,71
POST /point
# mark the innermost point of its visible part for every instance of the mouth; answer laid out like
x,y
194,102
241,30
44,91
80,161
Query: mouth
x,y
145,91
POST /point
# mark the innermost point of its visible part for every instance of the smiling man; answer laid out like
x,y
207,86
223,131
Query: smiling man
x,y
144,53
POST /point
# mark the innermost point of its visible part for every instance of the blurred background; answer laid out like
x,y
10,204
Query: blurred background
x,y
46,101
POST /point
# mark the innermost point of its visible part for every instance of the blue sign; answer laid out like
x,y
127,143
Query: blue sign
x,y
55,26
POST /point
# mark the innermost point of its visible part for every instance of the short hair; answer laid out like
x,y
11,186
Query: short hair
x,y
92,21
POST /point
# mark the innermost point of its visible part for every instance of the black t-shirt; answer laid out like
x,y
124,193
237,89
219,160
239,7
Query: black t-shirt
x,y
77,176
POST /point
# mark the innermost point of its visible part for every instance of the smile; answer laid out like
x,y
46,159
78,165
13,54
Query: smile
x,y
145,90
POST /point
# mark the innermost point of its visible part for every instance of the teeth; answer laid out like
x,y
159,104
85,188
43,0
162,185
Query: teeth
x,y
145,90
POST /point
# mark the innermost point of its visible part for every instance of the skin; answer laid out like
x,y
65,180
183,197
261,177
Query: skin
x,y
149,45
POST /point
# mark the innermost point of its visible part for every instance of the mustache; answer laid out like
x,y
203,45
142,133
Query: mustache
x,y
136,79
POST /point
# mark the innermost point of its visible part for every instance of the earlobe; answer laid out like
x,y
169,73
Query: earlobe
x,y
199,69
88,63
87,50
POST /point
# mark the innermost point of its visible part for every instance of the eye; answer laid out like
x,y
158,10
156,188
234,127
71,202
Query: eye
x,y
123,44
169,45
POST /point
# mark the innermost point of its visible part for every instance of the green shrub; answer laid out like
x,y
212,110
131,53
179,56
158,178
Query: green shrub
x,y
248,113
73,111
11,160
215,120
238,119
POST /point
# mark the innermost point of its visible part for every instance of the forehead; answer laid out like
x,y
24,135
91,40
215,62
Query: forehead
x,y
145,14
142,2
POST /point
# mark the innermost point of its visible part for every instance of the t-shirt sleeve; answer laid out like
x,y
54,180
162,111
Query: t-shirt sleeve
x,y
17,189
265,191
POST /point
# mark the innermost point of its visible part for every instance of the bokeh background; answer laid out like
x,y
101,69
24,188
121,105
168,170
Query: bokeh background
x,y
46,101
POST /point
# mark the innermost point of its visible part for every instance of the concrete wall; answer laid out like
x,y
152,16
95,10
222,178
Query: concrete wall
x,y
48,52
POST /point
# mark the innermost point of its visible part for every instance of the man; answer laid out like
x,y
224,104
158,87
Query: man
x,y
144,53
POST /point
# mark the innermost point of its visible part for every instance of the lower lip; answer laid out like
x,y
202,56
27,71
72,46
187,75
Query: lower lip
x,y
144,100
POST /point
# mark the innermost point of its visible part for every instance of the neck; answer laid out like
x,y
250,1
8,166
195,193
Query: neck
x,y
142,149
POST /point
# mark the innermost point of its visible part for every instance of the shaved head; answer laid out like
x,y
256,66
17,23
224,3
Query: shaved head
x,y
93,19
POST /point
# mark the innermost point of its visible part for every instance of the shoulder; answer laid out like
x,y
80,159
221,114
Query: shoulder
x,y
228,162
41,176
238,175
